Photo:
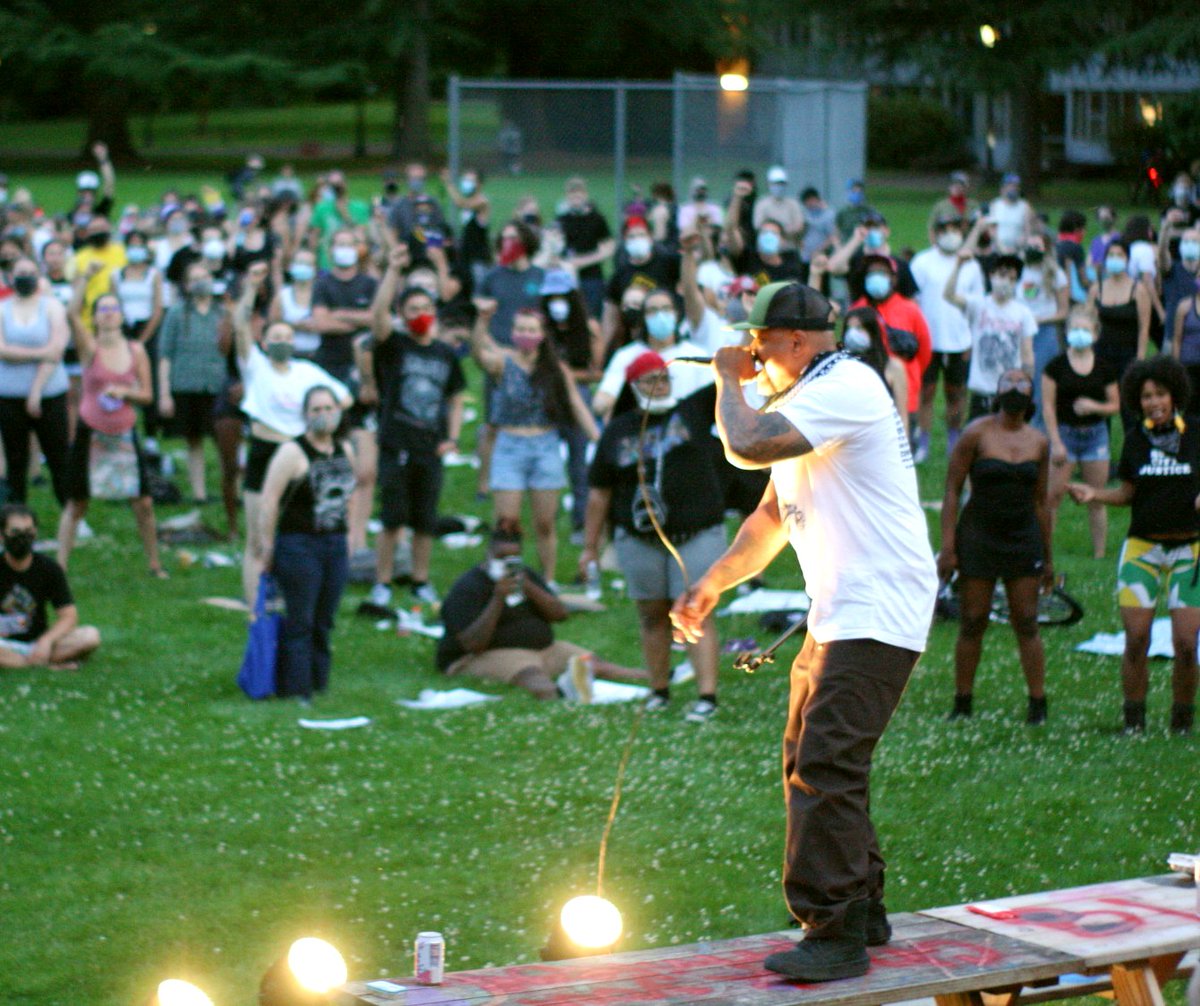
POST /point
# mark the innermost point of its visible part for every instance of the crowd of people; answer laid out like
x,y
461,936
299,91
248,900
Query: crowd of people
x,y
323,343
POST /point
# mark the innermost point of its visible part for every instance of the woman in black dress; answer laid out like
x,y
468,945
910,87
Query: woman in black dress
x,y
1003,534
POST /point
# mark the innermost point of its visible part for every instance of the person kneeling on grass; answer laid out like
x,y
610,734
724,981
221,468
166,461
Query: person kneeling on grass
x,y
27,582
498,617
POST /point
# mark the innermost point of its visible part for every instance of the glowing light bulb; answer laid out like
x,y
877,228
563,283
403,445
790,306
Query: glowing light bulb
x,y
988,36
174,992
316,965
734,82
591,922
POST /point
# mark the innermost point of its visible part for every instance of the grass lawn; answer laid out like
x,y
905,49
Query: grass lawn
x,y
153,822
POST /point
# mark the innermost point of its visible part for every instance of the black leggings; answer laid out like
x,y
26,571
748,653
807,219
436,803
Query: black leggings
x,y
51,428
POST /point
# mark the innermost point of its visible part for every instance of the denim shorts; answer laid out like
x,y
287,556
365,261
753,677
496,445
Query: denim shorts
x,y
1085,443
520,463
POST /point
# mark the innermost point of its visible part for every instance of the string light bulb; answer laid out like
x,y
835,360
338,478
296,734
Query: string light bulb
x,y
591,922
176,992
988,36
317,965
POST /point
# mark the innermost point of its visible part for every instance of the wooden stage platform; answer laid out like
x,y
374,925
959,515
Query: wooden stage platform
x,y
1130,934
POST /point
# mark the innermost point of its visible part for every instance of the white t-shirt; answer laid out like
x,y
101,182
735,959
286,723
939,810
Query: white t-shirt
x,y
1033,293
1010,222
1143,260
997,332
684,379
275,399
851,511
948,328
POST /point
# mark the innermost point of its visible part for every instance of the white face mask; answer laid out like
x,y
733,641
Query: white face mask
x,y
559,310
1002,288
345,256
950,241
637,247
655,406
214,249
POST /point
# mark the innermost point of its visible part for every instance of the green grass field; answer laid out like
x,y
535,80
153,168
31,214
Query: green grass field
x,y
153,822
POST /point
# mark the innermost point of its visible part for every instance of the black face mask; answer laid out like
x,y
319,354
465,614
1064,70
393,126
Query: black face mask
x,y
98,240
1034,257
19,544
25,286
632,318
1014,401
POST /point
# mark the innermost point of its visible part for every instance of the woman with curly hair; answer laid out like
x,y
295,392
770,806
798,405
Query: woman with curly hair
x,y
1160,482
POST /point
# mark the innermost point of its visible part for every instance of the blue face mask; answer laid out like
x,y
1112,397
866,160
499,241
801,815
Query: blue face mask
x,y
302,272
660,325
1080,338
874,239
1189,250
878,285
768,243
137,254
466,186
1114,265
855,197
856,341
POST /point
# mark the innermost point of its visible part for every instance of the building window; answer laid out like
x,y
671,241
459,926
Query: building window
x,y
1089,116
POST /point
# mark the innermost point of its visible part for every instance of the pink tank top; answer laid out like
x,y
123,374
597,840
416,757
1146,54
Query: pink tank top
x,y
103,413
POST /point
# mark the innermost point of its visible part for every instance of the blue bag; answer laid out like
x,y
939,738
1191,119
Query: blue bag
x,y
257,676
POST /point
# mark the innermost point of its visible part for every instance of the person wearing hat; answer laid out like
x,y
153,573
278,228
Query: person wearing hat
x,y
1012,215
679,484
957,204
94,192
777,205
97,261
1002,328
843,491
589,243
949,333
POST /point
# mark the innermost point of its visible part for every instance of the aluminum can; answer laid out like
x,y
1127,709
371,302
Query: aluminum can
x,y
430,958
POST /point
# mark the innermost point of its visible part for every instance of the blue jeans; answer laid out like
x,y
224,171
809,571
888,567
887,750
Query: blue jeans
x,y
311,571
577,462
1045,348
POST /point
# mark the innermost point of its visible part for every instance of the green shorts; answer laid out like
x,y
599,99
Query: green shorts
x,y
1145,566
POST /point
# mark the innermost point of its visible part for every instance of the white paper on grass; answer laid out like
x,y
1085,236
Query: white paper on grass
x,y
461,539
767,600
606,692
1112,644
454,698
346,724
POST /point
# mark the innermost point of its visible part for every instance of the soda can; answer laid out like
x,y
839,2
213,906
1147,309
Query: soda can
x,y
430,958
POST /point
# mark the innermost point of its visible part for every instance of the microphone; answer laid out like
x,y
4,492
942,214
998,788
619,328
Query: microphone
x,y
692,361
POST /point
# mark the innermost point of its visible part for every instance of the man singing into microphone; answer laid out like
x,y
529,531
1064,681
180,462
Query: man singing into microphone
x,y
844,492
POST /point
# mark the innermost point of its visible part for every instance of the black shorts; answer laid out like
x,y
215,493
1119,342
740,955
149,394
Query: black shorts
x,y
226,406
953,365
258,457
194,413
79,486
410,484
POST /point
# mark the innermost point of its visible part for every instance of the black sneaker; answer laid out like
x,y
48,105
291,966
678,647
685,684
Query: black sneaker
x,y
1182,718
962,707
827,958
879,930
1135,718
1036,715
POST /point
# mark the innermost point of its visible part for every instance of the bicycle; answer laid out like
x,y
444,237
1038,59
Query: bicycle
x,y
1056,607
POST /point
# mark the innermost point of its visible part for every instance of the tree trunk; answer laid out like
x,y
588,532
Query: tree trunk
x,y
411,120
108,122
1026,130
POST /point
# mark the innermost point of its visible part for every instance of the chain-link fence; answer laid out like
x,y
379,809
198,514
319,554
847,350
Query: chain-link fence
x,y
641,132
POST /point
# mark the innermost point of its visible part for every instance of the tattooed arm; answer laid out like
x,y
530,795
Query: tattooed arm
x,y
751,439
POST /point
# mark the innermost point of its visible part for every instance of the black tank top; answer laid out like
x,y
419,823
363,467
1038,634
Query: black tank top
x,y
1002,494
317,501
1118,326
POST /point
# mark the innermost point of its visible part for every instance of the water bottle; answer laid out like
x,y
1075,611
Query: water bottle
x,y
595,587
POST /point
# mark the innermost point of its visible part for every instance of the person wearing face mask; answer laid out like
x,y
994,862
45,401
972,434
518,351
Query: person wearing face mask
x,y
1159,475
28,583
336,212
253,240
416,209
1185,342
177,235
302,541
1012,215
421,387
949,332
1183,199
94,191
777,205
534,397
679,460
770,260
820,226
589,243
1124,309
862,336
872,237
139,288
641,263
191,371
474,218
1003,533
97,260
576,338
1106,217
1002,328
905,330
1043,287
274,384
293,303
1079,392
105,457
957,204
1178,262
851,216
33,381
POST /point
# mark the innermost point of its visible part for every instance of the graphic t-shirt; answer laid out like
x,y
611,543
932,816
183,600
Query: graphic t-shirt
x,y
24,595
851,511
660,271
520,625
1164,485
997,332
417,382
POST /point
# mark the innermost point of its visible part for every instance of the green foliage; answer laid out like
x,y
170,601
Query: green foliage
x,y
908,131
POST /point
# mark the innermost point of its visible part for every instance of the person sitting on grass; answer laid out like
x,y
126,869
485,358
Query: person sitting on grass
x,y
27,582
498,617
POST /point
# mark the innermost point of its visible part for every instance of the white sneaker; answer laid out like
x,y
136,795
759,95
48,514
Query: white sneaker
x,y
575,682
654,702
702,711
426,593
83,531
381,595
684,672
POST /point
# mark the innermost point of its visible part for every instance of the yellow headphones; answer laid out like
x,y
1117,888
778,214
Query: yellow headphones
x,y
1180,425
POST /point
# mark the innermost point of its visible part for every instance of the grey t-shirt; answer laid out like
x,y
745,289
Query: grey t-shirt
x,y
512,290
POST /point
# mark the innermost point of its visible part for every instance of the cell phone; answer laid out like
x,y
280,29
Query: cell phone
x,y
385,986
513,565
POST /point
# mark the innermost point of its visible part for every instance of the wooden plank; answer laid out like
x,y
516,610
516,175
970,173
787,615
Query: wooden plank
x,y
1134,984
927,957
1102,924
